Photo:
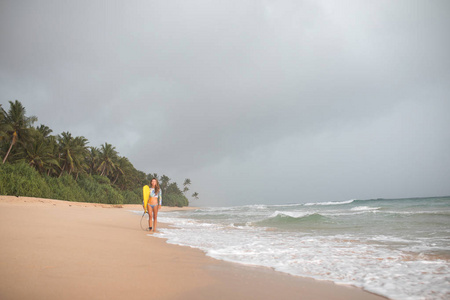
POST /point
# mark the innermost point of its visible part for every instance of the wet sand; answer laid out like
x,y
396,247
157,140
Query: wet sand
x,y
53,249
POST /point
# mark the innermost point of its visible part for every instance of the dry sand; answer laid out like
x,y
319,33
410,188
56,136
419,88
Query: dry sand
x,y
53,249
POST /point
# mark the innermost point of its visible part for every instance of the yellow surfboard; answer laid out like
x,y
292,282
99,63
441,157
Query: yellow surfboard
x,y
146,193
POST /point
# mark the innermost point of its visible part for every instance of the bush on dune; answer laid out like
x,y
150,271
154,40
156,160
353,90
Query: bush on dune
x,y
66,188
22,180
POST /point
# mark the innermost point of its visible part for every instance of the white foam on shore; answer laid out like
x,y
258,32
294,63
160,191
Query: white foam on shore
x,y
344,259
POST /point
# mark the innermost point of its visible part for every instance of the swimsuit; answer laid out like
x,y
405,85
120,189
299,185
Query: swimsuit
x,y
153,194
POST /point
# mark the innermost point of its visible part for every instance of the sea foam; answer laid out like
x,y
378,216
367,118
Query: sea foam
x,y
382,252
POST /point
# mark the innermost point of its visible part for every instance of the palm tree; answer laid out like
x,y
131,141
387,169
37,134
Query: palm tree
x,y
195,195
39,155
44,130
41,152
17,125
3,126
150,176
186,184
164,182
119,170
107,159
66,148
73,153
124,170
54,150
81,153
93,159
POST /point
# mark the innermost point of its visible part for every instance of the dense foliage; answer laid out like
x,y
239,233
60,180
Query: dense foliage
x,y
38,164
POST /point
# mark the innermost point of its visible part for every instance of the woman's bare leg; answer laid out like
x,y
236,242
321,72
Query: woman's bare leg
x,y
150,217
155,216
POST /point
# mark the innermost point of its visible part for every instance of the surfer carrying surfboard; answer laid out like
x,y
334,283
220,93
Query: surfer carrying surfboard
x,y
154,204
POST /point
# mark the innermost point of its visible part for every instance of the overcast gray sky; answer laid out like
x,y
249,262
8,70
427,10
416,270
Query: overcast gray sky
x,y
255,101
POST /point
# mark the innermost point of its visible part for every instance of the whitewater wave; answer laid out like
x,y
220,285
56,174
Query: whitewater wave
x,y
292,214
330,203
364,208
403,241
283,219
354,201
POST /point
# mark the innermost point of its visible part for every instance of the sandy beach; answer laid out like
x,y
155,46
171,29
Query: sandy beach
x,y
53,249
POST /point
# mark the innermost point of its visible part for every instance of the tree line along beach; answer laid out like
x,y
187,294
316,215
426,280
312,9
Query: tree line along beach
x,y
39,164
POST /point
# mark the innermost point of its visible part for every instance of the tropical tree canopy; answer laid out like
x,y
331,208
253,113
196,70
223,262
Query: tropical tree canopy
x,y
65,160
17,125
107,158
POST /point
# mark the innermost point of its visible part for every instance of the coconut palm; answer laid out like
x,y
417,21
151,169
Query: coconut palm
x,y
81,153
137,179
119,170
124,170
93,159
3,126
150,176
39,155
66,148
107,159
44,130
73,153
54,152
164,182
186,184
195,195
17,125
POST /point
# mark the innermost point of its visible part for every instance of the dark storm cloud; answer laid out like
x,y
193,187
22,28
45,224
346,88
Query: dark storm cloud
x,y
233,93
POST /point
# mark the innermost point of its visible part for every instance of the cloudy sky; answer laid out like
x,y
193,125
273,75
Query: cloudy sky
x,y
255,101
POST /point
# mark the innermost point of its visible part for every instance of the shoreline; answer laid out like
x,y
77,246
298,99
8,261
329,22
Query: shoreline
x,y
54,249
20,200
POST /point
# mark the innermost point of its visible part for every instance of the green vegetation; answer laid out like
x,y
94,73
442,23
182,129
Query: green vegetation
x,y
38,164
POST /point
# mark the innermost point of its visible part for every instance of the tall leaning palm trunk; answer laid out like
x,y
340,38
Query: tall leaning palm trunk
x,y
18,124
13,141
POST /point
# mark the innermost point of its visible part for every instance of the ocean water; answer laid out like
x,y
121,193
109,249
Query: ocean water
x,y
399,248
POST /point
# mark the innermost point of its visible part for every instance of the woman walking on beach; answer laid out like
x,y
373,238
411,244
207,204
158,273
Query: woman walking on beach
x,y
154,204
